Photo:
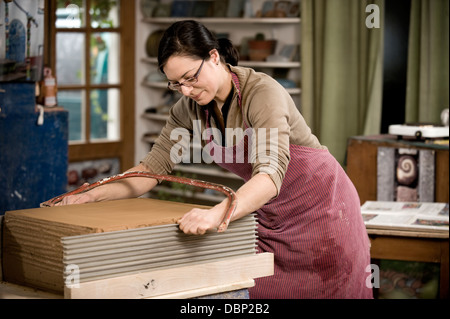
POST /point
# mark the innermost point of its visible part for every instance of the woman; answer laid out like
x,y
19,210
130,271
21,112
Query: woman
x,y
308,210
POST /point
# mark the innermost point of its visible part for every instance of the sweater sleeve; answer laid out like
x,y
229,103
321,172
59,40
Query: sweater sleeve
x,y
173,142
268,115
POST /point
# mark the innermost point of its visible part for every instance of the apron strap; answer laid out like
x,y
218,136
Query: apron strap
x,y
235,80
238,87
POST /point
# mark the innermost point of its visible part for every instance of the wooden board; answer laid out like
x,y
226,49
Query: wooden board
x,y
202,277
12,291
233,289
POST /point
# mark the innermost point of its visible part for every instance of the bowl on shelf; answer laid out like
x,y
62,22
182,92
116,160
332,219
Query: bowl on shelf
x,y
152,43
259,50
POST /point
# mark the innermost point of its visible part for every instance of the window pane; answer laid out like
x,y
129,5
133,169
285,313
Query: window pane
x,y
105,113
70,14
104,13
105,49
73,101
70,58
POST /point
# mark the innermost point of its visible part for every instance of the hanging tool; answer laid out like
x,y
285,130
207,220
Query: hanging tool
x,y
183,180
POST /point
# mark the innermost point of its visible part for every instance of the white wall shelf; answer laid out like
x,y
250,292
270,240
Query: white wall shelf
x,y
202,169
155,116
170,20
163,85
189,194
246,63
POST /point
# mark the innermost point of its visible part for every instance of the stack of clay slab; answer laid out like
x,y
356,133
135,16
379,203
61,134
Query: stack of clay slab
x,y
111,239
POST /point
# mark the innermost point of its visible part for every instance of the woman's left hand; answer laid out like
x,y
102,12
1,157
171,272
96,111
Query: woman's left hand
x,y
198,221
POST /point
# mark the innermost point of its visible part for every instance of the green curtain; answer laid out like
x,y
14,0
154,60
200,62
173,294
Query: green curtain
x,y
428,55
342,66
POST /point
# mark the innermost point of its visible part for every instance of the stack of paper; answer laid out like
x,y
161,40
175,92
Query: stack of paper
x,y
110,239
416,216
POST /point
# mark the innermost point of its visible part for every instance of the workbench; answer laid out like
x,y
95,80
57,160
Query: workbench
x,y
404,245
418,246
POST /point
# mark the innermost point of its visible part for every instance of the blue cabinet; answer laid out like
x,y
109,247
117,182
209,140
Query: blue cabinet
x,y
33,158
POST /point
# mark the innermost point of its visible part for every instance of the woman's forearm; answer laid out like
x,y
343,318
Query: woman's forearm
x,y
250,197
125,188
254,194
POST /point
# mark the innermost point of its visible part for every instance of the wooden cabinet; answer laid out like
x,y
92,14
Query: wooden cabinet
x,y
33,149
362,163
414,247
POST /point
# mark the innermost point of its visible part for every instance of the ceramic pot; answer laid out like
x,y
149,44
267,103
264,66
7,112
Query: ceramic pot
x,y
259,50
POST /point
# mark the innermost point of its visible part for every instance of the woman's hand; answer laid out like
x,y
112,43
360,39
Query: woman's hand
x,y
76,199
198,221
126,188
251,197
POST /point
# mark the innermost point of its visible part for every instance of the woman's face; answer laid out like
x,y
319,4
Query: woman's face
x,y
207,88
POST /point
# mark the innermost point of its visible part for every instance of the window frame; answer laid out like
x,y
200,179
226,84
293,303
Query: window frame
x,y
123,149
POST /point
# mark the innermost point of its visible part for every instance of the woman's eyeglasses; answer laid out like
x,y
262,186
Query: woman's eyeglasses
x,y
176,86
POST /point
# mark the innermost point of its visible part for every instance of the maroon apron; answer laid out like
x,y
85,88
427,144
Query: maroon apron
x,y
314,227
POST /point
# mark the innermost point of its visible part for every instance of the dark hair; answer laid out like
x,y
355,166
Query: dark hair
x,y
191,38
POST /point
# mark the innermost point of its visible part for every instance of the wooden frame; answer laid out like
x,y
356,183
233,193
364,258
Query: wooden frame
x,y
123,149
180,282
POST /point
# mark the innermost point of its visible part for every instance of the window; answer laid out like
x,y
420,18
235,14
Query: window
x,y
90,53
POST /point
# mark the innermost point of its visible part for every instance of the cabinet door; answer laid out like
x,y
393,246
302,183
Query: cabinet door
x,y
33,159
